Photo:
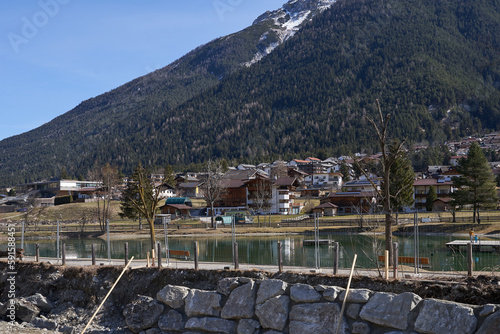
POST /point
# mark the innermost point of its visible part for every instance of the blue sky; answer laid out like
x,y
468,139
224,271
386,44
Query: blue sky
x,y
55,54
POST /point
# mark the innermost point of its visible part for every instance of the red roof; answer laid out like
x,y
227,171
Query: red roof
x,y
315,159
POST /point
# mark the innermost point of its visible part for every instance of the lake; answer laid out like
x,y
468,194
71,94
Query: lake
x,y
263,250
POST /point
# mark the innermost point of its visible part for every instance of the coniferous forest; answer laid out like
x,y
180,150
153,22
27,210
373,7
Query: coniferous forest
x,y
435,65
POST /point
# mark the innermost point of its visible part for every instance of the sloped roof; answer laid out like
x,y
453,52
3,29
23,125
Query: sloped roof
x,y
285,181
177,200
178,206
326,205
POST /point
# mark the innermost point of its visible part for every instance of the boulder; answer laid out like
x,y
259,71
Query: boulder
x,y
202,303
441,317
331,293
20,309
487,310
352,311
226,285
248,326
212,325
360,328
241,302
44,323
387,309
315,318
491,325
143,313
41,302
270,288
172,321
304,293
360,296
172,295
273,313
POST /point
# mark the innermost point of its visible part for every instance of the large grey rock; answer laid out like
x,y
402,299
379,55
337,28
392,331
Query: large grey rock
x,y
487,310
273,313
352,311
387,309
172,295
360,296
304,293
172,321
20,309
212,325
41,302
44,323
270,288
318,318
143,313
200,302
228,284
331,293
241,302
360,328
491,325
441,317
248,326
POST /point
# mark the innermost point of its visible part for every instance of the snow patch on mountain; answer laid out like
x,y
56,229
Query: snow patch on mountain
x,y
287,21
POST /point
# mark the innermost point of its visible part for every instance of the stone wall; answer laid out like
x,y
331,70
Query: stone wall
x,y
247,306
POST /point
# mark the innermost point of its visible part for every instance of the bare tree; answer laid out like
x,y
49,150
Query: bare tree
x,y
213,187
261,197
109,176
388,158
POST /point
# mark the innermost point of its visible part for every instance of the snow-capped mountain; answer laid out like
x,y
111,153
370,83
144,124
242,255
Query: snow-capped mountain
x,y
286,21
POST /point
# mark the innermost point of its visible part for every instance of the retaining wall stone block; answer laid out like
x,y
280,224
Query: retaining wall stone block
x,y
303,293
173,295
248,326
202,303
270,288
318,318
441,317
273,314
491,325
212,325
241,302
356,296
142,313
387,309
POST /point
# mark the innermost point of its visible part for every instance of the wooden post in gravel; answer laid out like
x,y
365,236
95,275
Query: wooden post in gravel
x,y
126,253
196,255
64,254
93,254
280,257
470,262
236,260
395,257
159,255
336,258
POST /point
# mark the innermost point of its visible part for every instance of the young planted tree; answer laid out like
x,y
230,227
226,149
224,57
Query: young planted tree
x,y
110,178
213,187
141,197
388,158
476,185
261,197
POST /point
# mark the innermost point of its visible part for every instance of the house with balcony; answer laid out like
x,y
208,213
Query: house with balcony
x,y
284,192
444,189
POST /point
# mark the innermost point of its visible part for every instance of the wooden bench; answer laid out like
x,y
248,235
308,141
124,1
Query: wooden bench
x,y
424,262
180,254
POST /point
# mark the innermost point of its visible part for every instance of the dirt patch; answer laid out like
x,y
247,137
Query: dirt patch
x,y
84,286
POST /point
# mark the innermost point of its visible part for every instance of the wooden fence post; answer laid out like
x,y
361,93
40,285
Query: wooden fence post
x,y
93,254
159,255
336,258
126,253
280,258
64,254
395,258
37,253
196,255
236,260
470,262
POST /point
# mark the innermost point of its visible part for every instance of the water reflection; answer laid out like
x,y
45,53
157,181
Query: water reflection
x,y
263,250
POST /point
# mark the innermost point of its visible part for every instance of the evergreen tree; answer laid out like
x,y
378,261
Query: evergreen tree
x,y
476,185
430,198
169,177
402,178
345,171
141,197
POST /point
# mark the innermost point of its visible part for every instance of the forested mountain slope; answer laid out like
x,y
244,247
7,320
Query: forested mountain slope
x,y
434,64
